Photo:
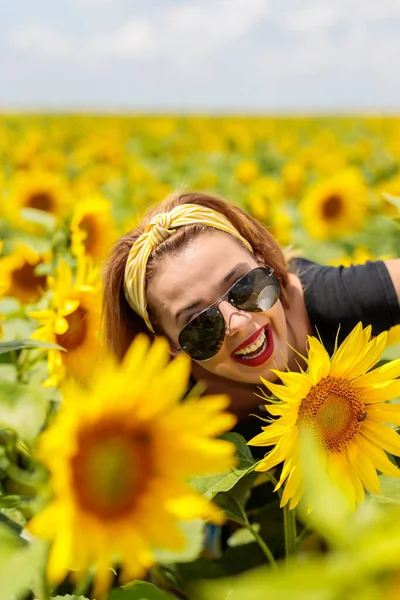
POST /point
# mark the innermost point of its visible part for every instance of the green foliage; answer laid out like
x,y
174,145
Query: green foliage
x,y
210,485
13,346
23,409
364,548
193,532
140,590
21,569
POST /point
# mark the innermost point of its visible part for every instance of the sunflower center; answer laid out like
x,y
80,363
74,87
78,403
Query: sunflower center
x,y
109,469
41,201
332,207
333,408
88,225
77,327
26,279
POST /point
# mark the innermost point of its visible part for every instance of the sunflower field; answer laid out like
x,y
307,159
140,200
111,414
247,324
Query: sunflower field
x,y
116,481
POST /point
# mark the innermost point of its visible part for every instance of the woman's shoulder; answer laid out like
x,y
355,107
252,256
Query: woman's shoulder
x,y
343,296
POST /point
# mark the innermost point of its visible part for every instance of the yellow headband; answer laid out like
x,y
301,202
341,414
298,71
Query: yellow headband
x,y
158,230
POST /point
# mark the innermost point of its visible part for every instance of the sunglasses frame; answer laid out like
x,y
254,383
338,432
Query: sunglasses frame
x,y
270,273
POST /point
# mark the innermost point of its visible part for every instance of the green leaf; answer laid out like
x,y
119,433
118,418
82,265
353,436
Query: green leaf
x,y
242,536
10,542
231,507
23,408
39,217
390,490
194,535
9,501
69,597
140,590
210,485
19,574
391,352
394,200
27,344
233,501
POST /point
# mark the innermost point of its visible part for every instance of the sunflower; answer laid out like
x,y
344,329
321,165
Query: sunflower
x,y
72,321
336,206
247,171
92,228
360,256
18,274
393,336
3,286
120,454
342,401
40,190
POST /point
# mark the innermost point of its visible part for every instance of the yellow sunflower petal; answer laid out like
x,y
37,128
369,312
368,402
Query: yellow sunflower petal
x,y
277,410
382,436
278,454
292,485
390,370
387,413
340,476
365,467
352,346
351,468
319,363
378,393
369,357
378,457
283,392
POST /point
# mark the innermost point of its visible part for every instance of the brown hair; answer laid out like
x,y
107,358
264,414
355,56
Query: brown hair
x,y
122,324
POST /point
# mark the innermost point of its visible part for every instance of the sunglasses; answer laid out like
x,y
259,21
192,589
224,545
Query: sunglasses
x,y
203,336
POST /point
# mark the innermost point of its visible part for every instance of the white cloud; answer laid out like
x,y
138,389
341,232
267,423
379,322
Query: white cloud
x,y
317,16
136,39
255,50
221,19
40,39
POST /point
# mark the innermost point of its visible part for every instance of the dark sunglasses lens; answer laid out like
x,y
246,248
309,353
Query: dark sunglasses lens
x,y
255,292
203,337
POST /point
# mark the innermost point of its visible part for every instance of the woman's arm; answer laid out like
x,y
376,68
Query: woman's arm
x,y
393,266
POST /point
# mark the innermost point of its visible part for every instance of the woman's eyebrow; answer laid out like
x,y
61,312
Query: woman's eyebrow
x,y
228,277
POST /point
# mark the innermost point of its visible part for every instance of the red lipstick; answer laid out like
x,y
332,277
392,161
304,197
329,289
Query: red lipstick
x,y
260,358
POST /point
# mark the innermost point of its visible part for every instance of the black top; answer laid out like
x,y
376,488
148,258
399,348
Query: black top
x,y
339,296
346,295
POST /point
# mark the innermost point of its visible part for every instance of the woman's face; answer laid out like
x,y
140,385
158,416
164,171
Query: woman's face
x,y
197,276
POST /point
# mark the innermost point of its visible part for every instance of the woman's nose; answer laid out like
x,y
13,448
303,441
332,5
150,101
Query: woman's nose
x,y
235,319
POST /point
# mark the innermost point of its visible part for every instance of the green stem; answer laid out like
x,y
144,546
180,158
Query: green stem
x,y
43,587
257,537
262,544
289,524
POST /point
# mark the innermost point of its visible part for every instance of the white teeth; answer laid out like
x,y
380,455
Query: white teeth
x,y
254,346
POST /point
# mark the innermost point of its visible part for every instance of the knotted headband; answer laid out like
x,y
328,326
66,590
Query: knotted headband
x,y
159,229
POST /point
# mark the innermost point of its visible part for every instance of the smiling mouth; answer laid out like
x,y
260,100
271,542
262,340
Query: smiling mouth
x,y
257,351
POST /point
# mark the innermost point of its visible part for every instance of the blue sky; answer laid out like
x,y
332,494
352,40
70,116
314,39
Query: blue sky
x,y
205,55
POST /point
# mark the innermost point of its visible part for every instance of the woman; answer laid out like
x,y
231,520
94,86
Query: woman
x,y
210,278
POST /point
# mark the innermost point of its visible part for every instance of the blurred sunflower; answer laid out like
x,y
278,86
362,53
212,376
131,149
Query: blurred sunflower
x,y
247,171
92,228
120,454
19,276
342,402
264,195
3,286
72,321
293,178
393,336
40,190
336,206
